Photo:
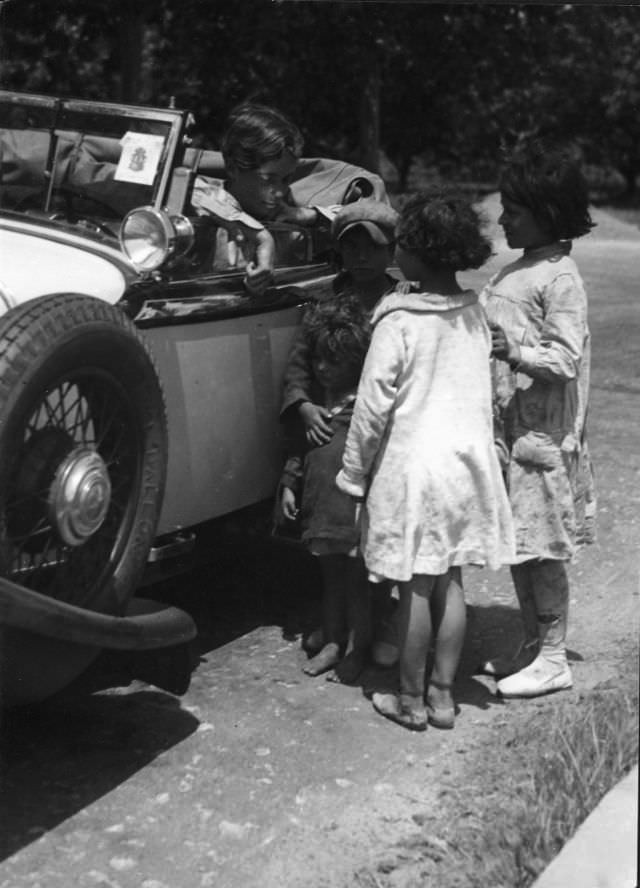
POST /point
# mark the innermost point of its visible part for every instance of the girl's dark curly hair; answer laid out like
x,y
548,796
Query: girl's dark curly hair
x,y
548,181
443,230
256,134
339,333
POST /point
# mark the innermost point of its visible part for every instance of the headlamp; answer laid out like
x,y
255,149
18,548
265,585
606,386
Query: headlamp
x,y
150,237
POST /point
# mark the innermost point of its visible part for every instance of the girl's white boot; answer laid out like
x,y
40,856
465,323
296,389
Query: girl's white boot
x,y
550,669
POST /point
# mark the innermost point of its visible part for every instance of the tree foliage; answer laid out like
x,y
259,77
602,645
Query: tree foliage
x,y
451,83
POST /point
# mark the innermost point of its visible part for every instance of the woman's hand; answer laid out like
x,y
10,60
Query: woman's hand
x,y
501,348
288,504
316,423
257,279
259,274
304,216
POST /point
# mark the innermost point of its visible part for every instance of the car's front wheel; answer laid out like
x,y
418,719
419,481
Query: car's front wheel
x,y
83,455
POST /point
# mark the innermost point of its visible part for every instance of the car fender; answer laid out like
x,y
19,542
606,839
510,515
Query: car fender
x,y
41,262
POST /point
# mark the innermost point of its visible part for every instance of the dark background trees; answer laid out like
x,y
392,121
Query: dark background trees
x,y
444,83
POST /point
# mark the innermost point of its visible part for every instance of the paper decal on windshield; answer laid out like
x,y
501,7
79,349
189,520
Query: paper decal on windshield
x,y
140,158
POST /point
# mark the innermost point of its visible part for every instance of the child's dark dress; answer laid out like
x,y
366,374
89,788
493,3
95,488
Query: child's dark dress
x,y
327,515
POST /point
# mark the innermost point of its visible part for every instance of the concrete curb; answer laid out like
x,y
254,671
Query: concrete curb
x,y
603,853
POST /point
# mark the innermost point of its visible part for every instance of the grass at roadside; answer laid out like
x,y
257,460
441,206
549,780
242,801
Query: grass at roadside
x,y
524,791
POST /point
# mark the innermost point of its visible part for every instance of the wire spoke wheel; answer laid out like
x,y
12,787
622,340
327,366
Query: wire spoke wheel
x,y
82,451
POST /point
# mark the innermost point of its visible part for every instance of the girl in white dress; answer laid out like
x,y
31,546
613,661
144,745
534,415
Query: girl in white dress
x,y
420,450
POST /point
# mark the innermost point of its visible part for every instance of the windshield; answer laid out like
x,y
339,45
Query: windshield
x,y
79,158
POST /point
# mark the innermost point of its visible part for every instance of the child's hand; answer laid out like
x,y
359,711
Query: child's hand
x,y
501,348
316,423
288,503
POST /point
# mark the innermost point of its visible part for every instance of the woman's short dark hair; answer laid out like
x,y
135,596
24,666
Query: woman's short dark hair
x,y
338,332
548,181
443,230
256,134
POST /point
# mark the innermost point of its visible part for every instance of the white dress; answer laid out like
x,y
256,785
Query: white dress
x,y
420,446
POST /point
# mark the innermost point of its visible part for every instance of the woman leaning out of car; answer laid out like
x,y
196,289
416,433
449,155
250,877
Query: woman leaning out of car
x,y
261,149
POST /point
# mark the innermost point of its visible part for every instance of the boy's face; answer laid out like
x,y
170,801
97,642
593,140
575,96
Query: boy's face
x,y
521,229
260,192
364,259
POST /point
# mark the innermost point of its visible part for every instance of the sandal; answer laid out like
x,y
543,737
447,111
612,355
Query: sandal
x,y
396,708
442,717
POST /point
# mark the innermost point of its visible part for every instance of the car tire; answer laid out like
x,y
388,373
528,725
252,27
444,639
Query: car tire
x,y
83,456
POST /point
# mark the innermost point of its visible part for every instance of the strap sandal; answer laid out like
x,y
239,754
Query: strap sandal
x,y
397,708
442,717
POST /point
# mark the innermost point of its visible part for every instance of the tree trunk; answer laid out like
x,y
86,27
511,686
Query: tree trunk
x,y
131,46
370,115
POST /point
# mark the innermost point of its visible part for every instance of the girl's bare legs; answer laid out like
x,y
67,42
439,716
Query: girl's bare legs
x,y
449,624
414,631
334,570
358,597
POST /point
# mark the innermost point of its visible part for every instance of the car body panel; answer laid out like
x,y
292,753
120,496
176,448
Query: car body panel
x,y
45,262
220,375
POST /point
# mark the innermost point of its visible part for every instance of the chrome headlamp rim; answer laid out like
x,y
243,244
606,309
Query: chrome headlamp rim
x,y
159,237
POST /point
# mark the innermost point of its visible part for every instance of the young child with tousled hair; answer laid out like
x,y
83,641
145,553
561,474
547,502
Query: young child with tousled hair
x,y
337,337
420,452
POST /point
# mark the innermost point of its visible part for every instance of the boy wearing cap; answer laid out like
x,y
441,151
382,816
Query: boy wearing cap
x,y
363,234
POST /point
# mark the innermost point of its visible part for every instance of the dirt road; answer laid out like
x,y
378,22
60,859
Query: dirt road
x,y
261,775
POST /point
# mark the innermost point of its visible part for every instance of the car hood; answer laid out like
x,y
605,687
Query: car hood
x,y
37,260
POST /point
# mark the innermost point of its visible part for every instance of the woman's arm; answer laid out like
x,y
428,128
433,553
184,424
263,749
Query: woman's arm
x,y
259,272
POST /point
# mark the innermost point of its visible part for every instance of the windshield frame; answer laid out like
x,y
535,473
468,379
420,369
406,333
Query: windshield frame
x,y
58,117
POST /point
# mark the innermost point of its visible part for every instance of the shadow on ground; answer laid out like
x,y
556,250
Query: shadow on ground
x,y
60,756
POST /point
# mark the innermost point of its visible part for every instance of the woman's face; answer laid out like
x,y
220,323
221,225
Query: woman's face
x,y
521,229
260,192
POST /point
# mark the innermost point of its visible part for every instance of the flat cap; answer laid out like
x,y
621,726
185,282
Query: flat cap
x,y
378,219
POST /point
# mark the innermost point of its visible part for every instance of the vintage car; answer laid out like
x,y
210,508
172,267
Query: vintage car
x,y
139,387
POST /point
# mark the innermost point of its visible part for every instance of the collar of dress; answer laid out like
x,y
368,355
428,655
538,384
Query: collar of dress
x,y
422,302
548,251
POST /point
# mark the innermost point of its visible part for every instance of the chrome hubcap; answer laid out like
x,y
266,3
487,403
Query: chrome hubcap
x,y
79,496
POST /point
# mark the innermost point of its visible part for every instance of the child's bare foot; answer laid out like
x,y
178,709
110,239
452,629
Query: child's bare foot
x,y
314,641
328,657
349,668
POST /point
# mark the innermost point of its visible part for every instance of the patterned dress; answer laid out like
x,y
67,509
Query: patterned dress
x,y
540,403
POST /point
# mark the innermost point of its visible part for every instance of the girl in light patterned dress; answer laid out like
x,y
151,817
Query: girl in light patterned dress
x,y
537,308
